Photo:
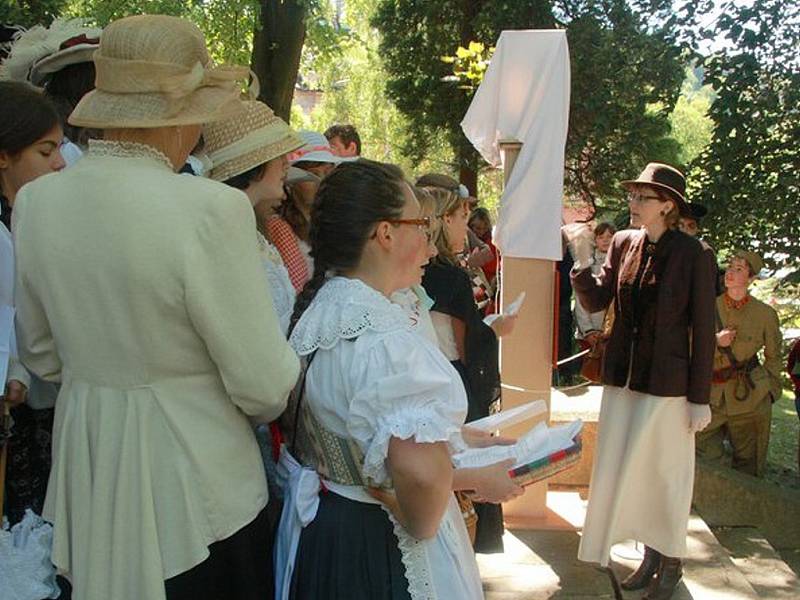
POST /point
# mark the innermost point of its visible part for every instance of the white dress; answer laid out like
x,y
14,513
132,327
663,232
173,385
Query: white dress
x,y
638,491
374,377
280,286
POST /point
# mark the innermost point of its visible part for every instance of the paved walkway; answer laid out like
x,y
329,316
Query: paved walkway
x,y
541,563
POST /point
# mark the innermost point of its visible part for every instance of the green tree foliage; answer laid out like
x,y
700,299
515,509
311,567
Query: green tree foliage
x,y
30,12
691,126
626,78
748,174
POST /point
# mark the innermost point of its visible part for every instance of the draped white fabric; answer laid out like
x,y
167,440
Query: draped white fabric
x,y
525,97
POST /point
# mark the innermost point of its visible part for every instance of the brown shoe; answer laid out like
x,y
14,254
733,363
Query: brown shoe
x,y
666,580
641,577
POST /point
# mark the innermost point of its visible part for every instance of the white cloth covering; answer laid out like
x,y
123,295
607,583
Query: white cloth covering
x,y
280,285
524,96
643,475
389,381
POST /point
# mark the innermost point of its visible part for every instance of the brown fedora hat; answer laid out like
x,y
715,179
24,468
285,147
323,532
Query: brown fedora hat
x,y
663,177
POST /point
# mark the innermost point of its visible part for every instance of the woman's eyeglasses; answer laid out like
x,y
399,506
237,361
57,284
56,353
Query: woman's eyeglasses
x,y
423,223
639,197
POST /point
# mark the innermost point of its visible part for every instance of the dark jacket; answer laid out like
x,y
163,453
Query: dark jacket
x,y
450,289
664,327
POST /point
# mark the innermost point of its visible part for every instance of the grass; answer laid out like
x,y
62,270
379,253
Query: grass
x,y
782,467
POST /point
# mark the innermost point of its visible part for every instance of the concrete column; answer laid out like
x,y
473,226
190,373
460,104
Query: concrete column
x,y
526,355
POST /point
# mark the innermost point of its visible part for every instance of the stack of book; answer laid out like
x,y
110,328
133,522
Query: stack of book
x,y
538,455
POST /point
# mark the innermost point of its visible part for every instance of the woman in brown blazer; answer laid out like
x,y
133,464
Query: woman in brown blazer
x,y
656,376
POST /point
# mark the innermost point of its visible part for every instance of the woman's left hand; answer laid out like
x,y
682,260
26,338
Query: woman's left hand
x,y
699,417
477,438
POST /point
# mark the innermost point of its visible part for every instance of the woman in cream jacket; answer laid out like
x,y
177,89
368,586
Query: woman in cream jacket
x,y
142,292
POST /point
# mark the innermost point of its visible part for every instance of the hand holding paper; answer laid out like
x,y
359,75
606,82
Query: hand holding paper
x,y
504,324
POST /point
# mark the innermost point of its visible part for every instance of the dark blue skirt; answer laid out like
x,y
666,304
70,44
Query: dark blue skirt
x,y
348,552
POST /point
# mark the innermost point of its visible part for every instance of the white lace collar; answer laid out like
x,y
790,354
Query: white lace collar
x,y
345,308
128,150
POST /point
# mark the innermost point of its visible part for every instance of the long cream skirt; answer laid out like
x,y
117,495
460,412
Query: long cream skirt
x,y
643,475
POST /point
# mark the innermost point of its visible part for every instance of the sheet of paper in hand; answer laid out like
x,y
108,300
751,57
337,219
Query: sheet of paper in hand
x,y
536,453
512,416
510,311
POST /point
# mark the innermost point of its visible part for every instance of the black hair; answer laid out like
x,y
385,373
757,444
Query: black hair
x,y
66,87
346,133
25,116
348,204
243,180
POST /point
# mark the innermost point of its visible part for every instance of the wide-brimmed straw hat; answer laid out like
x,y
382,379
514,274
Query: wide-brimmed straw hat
x,y
666,178
154,71
41,51
316,148
238,144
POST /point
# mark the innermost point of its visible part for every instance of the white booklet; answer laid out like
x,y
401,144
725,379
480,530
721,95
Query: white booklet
x,y
512,416
539,442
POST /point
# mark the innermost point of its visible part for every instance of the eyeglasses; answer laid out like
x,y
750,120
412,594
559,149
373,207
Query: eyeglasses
x,y
424,225
639,197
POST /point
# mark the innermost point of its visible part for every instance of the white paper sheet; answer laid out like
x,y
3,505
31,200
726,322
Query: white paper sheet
x,y
512,416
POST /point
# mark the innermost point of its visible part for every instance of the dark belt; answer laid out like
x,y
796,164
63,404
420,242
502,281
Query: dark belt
x,y
741,372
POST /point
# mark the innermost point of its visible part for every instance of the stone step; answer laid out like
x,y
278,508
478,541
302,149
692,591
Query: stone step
x,y
708,571
759,562
540,562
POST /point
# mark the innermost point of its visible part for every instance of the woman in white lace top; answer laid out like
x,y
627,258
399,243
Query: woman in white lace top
x,y
374,415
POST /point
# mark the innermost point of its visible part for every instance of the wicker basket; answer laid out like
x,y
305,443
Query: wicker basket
x,y
549,465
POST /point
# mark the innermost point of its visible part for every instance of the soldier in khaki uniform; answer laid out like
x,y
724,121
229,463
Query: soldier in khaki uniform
x,y
743,387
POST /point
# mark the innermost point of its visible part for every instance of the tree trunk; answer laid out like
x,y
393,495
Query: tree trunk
x,y
277,44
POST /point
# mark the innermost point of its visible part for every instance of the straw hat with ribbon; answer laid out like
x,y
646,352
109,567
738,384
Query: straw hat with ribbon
x,y
154,71
236,145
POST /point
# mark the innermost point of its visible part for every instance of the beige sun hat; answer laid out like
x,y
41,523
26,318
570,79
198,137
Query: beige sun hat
x,y
154,71
240,143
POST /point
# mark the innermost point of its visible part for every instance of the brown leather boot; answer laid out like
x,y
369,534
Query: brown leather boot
x,y
641,577
666,580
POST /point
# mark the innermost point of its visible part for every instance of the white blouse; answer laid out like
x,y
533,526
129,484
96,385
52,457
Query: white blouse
x,y
280,286
386,381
